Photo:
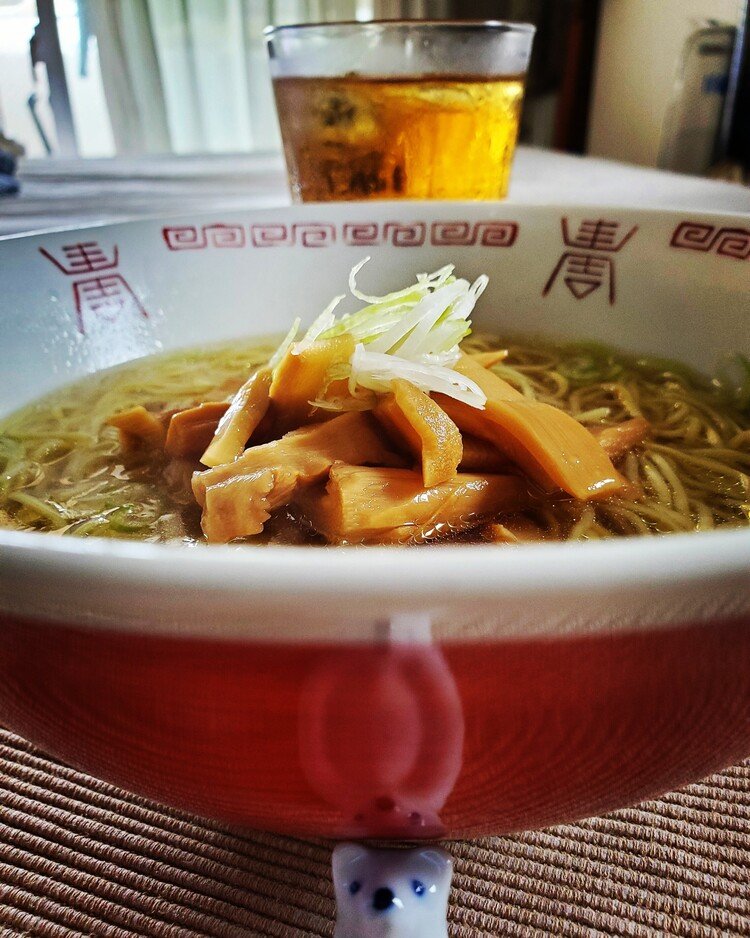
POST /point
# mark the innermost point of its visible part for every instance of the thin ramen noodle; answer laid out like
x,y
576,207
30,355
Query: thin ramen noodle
x,y
63,470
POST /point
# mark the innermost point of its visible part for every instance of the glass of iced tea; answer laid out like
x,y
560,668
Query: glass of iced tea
x,y
399,109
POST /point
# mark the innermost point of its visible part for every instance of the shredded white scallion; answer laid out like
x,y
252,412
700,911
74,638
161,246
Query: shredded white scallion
x,y
424,281
286,344
413,333
376,371
321,324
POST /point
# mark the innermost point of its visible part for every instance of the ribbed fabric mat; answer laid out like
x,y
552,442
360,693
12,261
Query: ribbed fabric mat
x,y
80,857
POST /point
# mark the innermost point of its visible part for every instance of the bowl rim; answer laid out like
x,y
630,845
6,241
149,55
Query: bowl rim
x,y
382,206
450,570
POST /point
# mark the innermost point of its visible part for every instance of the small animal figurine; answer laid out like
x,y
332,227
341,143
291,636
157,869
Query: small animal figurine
x,y
391,893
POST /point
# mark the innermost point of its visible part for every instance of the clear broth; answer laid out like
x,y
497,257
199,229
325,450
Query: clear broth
x,y
62,469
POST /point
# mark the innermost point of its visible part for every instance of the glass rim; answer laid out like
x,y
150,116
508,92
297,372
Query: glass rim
x,y
351,26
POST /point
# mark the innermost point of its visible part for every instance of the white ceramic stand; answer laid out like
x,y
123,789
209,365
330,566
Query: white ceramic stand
x,y
399,893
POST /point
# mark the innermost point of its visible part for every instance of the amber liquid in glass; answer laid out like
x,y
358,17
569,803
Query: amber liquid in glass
x,y
435,137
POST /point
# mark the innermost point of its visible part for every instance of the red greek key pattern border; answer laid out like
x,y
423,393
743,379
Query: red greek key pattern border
x,y
401,234
713,239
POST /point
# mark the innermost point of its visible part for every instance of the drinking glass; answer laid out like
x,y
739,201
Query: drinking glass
x,y
399,109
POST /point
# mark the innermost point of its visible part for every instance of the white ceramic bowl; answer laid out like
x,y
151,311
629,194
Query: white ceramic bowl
x,y
458,691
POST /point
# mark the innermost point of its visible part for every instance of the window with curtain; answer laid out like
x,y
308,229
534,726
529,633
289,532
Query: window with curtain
x,y
189,76
157,76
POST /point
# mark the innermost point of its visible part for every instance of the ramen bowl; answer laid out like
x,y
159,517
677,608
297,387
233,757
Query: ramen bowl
x,y
449,691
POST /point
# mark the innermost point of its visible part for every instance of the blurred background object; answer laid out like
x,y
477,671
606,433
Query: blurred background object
x,y
690,128
654,83
661,80
734,138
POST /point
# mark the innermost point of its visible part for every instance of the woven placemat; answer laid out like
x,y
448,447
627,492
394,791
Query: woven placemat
x,y
78,856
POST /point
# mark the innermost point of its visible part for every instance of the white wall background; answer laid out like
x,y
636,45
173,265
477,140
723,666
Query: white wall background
x,y
640,43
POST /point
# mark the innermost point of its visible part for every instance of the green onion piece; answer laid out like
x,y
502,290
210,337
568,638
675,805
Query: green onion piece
x,y
51,450
48,510
86,527
124,521
733,380
589,367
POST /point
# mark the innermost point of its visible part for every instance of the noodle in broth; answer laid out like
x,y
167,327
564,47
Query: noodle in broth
x,y
62,468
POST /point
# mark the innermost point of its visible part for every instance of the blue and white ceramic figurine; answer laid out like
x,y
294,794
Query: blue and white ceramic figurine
x,y
393,893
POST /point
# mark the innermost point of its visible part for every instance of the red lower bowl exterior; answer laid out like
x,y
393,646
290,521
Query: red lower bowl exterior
x,y
408,741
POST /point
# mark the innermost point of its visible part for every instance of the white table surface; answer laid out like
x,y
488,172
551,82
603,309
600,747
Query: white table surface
x,y
77,192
